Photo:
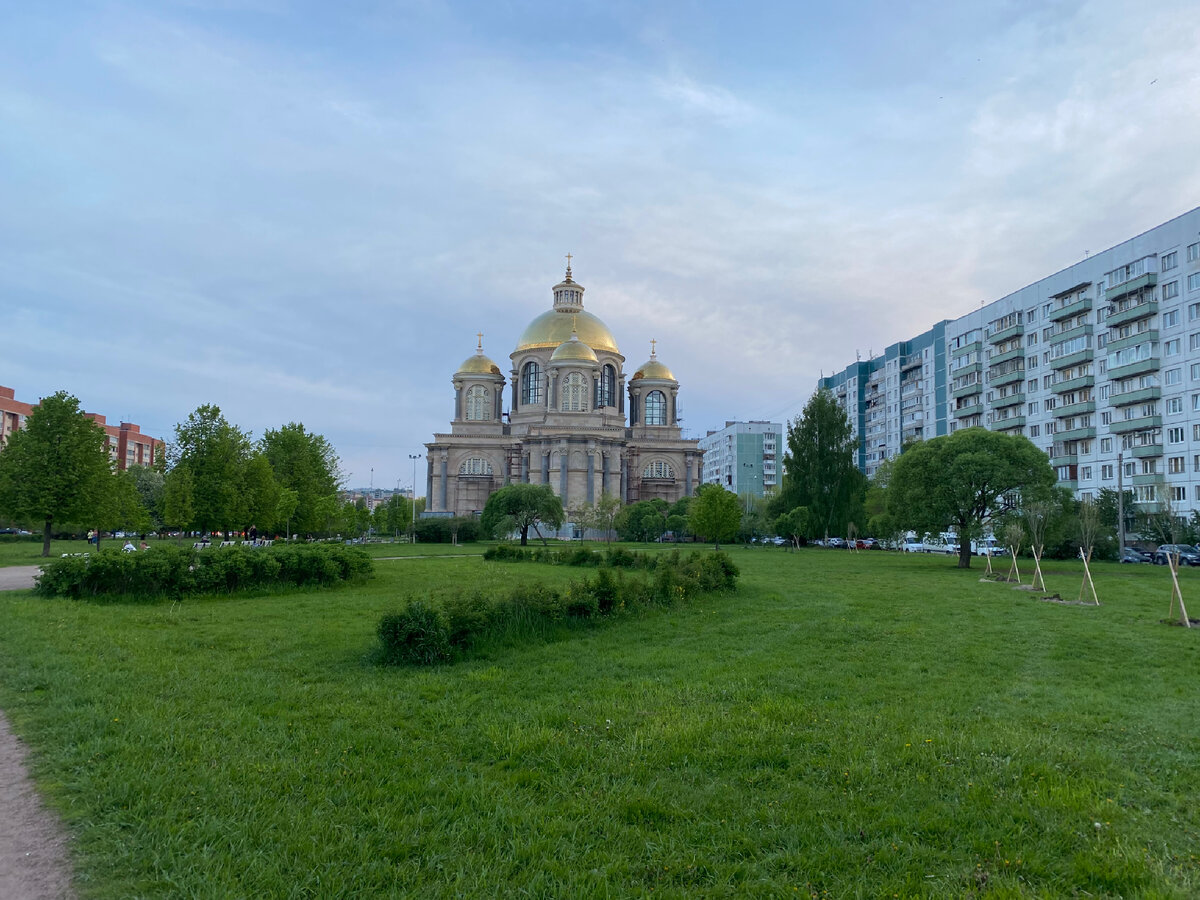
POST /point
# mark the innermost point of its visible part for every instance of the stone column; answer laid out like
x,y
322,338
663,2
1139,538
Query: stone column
x,y
591,478
524,468
516,392
687,481
624,479
499,397
604,488
457,403
428,483
551,395
546,467
621,395
562,479
674,399
443,465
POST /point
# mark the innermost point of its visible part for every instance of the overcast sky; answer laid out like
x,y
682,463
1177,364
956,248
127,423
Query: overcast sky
x,y
305,211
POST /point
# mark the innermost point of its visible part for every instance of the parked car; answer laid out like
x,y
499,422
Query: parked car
x,y
913,546
1134,555
1186,552
837,542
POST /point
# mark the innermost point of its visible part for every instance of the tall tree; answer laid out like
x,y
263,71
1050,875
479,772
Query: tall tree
x,y
961,480
714,514
306,463
178,507
216,453
260,493
520,507
819,468
56,469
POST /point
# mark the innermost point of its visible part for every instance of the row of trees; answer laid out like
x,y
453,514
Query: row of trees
x,y
56,473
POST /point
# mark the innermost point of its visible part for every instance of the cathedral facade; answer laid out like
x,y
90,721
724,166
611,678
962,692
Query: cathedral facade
x,y
573,422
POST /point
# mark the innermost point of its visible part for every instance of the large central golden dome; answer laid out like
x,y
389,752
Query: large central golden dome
x,y
553,327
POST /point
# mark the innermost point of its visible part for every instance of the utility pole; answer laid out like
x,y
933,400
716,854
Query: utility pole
x,y
1120,503
414,457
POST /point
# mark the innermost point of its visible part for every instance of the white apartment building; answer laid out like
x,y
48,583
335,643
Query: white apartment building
x,y
1098,365
744,457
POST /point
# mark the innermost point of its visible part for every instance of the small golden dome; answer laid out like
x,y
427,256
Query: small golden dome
x,y
573,350
478,364
553,328
652,368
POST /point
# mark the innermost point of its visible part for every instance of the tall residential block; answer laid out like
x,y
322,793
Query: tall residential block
x,y
744,457
1097,364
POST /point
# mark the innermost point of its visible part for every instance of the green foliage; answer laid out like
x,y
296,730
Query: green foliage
x,y
796,525
307,464
819,467
56,469
714,514
419,635
962,481
416,635
173,571
519,507
179,494
644,521
443,530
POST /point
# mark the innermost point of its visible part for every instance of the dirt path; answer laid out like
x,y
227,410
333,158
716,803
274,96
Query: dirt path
x,y
17,578
34,862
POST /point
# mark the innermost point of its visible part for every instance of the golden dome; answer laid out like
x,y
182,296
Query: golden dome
x,y
553,328
573,350
478,364
652,368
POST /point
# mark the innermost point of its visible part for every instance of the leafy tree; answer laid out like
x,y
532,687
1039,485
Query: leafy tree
x,y
307,464
604,514
123,508
149,483
796,525
520,507
962,480
755,521
178,503
642,521
715,514
260,493
216,453
819,466
56,468
285,508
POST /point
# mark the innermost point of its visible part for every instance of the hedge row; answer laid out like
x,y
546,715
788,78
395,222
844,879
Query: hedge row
x,y
616,557
426,633
166,570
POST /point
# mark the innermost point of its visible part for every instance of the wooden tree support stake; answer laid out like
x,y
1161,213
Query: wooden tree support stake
x,y
1173,565
1012,568
1037,573
1087,577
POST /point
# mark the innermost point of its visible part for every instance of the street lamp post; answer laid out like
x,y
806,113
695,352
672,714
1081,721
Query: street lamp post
x,y
413,498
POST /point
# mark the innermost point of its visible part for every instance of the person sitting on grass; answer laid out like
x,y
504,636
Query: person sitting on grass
x,y
129,548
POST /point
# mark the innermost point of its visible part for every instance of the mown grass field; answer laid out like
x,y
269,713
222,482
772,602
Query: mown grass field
x,y
846,725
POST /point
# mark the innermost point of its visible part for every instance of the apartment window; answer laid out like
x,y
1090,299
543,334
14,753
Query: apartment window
x,y
1032,385
1171,347
1196,463
1035,407
1047,381
1194,281
1032,363
1051,402
1035,430
1031,315
1175,376
1196,432
1193,252
1104,388
1170,261
1170,291
1178,492
1031,339
1195,371
1085,473
1193,311
1171,317
1196,402
1106,445
1130,469
1174,405
1149,466
1174,435
1048,308
1106,472
1106,418
1175,465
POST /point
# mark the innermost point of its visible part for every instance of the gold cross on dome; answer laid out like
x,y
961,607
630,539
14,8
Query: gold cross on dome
x,y
568,260
652,345
479,334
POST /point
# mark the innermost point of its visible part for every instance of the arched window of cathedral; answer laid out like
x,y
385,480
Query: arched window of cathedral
x,y
658,469
476,465
606,387
531,383
478,403
574,393
656,408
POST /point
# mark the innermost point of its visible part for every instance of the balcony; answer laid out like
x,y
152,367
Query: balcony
x,y
1150,334
1016,375
1081,305
1141,367
1005,334
1004,357
912,361
973,409
1075,434
1073,384
1132,313
1075,409
1067,459
1073,359
966,370
965,348
1141,423
1128,287
1010,400
967,390
1141,395
1149,478
1146,451
1008,424
1067,333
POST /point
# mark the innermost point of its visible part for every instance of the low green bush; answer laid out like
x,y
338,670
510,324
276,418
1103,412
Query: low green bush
x,y
416,634
167,570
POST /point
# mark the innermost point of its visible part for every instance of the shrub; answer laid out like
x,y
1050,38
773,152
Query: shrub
x,y
606,590
466,617
581,601
415,635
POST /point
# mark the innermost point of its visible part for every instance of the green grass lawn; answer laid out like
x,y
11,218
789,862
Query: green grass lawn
x,y
845,725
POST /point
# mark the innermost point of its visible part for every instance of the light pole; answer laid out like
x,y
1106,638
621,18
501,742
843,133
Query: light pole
x,y
413,498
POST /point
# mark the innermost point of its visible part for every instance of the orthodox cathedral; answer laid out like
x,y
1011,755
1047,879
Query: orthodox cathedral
x,y
567,423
